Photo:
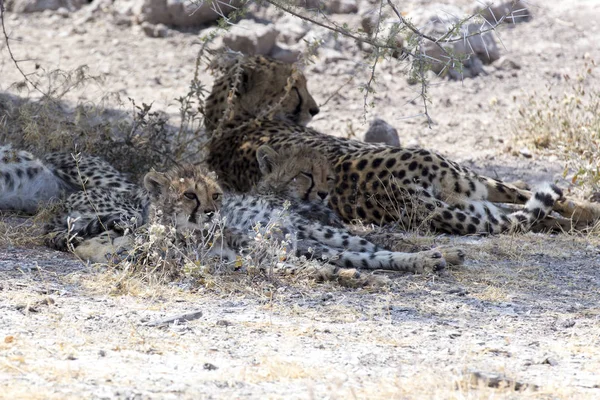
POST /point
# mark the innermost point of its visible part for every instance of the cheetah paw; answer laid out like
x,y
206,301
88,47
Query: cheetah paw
x,y
430,261
452,255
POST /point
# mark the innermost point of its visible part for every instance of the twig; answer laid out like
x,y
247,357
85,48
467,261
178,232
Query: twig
x,y
341,31
175,319
12,57
374,66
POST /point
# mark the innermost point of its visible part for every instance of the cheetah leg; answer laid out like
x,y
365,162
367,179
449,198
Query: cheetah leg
x,y
79,229
100,249
339,238
485,218
582,212
383,259
504,192
395,242
357,247
553,224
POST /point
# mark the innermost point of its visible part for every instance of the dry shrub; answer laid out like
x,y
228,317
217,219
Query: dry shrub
x,y
567,126
157,253
132,141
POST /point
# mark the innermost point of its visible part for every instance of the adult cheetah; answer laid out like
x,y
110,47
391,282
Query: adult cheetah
x,y
257,101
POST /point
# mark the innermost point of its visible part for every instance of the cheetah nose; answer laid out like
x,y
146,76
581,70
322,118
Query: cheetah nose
x,y
314,111
323,195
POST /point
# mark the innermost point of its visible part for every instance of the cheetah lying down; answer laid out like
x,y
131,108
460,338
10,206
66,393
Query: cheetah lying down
x,y
259,101
288,205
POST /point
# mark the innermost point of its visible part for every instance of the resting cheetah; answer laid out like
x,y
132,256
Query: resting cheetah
x,y
374,183
181,197
26,183
303,175
96,197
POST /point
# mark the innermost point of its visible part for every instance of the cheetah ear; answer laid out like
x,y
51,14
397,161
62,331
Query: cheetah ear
x,y
266,157
212,175
155,183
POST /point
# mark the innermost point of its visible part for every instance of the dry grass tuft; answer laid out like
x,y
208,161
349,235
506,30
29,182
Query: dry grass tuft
x,y
566,126
132,141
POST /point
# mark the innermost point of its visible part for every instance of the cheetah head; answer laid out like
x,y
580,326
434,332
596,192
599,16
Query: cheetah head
x,y
261,87
300,173
188,195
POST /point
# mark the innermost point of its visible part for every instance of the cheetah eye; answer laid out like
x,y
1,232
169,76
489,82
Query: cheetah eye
x,y
190,195
216,196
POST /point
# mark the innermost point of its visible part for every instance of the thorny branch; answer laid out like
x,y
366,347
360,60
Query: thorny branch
x,y
10,53
452,35
367,87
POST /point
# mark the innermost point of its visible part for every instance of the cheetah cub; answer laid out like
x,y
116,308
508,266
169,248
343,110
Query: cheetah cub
x,y
289,204
303,175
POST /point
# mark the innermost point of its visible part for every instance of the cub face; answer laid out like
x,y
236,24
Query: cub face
x,y
301,173
188,195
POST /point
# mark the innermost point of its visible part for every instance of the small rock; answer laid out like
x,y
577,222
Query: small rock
x,y
251,38
119,20
285,54
63,12
32,6
155,31
482,44
495,380
309,4
178,13
342,6
514,11
381,132
291,29
161,30
550,361
223,322
331,56
326,297
102,353
458,291
326,38
568,323
210,367
506,64
525,152
479,49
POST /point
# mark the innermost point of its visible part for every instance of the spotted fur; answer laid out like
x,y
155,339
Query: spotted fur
x,y
26,183
290,212
374,183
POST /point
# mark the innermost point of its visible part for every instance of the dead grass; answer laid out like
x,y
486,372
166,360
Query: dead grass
x,y
564,122
20,232
134,138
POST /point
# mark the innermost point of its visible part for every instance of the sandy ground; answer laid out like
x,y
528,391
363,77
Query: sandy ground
x,y
525,308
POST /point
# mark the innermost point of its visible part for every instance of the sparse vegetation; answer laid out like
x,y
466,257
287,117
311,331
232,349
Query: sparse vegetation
x,y
524,308
564,122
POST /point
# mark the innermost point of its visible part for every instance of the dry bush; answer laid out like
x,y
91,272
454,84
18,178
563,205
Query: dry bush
x,y
159,254
133,142
566,126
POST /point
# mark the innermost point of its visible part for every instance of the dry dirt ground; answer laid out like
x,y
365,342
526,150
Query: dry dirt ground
x,y
523,309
